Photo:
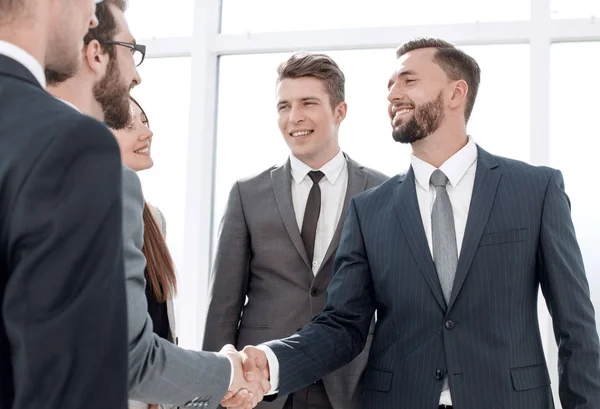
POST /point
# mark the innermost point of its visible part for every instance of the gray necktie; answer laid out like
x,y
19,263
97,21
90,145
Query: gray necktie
x,y
445,255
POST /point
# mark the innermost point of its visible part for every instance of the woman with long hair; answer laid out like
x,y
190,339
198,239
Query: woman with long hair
x,y
135,142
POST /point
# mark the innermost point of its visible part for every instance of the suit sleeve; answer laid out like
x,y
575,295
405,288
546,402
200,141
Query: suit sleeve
x,y
229,278
159,371
64,306
565,288
339,333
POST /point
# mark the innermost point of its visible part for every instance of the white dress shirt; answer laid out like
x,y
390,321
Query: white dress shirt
x,y
27,60
460,170
333,191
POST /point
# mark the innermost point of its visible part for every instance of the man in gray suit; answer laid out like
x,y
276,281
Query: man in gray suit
x,y
282,227
159,371
451,256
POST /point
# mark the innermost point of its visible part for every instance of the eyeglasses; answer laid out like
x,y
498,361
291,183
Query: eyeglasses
x,y
138,50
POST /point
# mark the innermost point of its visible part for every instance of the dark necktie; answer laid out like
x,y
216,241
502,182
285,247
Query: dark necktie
x,y
311,214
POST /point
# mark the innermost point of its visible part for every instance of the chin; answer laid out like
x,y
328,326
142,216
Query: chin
x,y
146,165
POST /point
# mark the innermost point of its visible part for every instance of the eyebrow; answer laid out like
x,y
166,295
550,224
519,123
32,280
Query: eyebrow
x,y
404,73
301,99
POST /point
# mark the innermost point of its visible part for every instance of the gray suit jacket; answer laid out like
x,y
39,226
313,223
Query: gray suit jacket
x,y
519,237
159,371
261,256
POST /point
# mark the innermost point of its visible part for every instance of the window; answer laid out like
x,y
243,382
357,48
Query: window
x,y
241,16
155,18
575,9
575,141
248,139
167,105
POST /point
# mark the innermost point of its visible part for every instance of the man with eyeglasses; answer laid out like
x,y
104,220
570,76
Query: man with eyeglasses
x,y
108,71
159,372
63,331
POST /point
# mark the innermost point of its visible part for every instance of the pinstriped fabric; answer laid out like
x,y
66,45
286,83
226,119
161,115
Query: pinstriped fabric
x,y
519,236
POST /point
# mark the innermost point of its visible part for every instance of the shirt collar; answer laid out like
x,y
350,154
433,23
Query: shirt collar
x,y
331,169
69,104
454,168
24,58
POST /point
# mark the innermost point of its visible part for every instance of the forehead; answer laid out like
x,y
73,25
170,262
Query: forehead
x,y
418,62
303,87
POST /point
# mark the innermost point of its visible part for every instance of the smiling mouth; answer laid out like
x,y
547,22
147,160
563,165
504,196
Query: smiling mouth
x,y
300,133
143,151
403,111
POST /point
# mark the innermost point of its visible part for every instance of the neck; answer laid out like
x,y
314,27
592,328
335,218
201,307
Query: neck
x,y
79,93
32,41
441,145
319,162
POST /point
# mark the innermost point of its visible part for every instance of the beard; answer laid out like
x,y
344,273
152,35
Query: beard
x,y
113,97
425,120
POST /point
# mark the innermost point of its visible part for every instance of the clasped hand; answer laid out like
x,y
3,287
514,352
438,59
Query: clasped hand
x,y
250,377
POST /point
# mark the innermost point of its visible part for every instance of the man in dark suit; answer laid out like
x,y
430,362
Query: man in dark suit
x,y
159,371
277,242
451,257
63,337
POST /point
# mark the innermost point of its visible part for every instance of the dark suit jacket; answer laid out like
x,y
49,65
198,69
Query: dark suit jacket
x,y
519,237
261,255
63,337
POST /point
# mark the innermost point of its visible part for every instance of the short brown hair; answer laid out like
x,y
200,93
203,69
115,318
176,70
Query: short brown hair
x,y
319,66
106,31
107,25
456,64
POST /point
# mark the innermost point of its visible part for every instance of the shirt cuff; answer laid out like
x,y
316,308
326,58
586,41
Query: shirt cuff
x,y
232,371
273,369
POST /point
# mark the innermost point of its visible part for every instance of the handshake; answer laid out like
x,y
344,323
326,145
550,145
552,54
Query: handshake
x,y
250,377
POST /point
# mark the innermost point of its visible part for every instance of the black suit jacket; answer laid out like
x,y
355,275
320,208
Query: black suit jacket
x,y
519,237
63,337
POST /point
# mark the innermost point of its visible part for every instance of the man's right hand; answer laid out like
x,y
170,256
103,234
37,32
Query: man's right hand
x,y
244,393
256,364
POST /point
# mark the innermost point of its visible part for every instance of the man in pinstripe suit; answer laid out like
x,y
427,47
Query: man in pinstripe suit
x,y
451,256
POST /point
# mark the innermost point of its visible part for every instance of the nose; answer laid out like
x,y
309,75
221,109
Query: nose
x,y
147,134
136,79
394,93
296,114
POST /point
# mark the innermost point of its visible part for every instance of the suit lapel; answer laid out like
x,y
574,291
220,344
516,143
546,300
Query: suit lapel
x,y
487,179
357,182
282,188
407,210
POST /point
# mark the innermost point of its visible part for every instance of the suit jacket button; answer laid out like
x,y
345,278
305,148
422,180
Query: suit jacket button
x,y
314,292
439,374
449,324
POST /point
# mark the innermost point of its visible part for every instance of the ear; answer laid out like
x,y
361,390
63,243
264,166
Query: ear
x,y
459,94
95,58
339,113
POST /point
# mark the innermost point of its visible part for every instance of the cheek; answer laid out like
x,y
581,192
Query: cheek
x,y
281,122
126,144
